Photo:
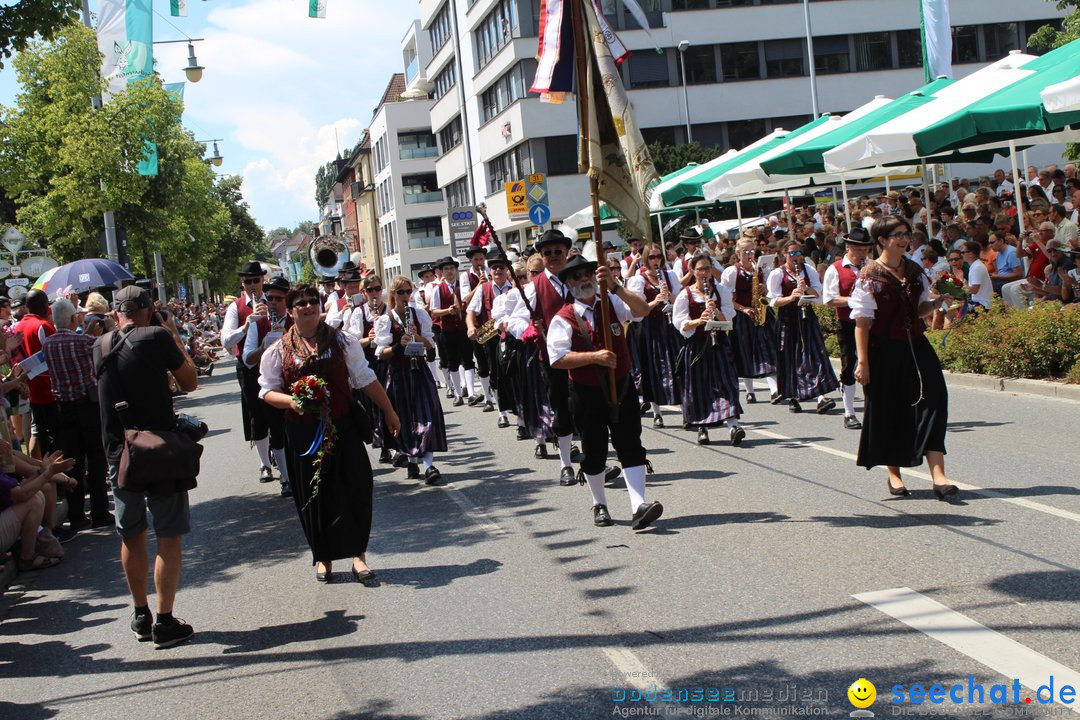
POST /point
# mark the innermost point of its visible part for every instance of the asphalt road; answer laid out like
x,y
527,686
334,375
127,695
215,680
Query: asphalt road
x,y
765,585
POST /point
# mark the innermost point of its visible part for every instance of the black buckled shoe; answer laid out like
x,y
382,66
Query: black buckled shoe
x,y
384,455
503,422
413,471
575,453
286,490
489,407
825,405
401,460
646,515
751,398
737,435
266,475
852,423
458,402
567,478
475,400
776,398
522,433
541,451
795,407
702,436
432,475
449,393
658,421
600,516
611,474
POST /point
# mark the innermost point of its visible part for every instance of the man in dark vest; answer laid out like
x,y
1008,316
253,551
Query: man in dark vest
x,y
836,288
576,344
248,308
448,310
478,313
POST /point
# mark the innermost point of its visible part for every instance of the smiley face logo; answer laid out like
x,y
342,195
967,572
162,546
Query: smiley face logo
x,y
862,693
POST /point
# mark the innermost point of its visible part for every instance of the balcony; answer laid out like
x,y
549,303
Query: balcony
x,y
412,70
415,198
417,153
419,241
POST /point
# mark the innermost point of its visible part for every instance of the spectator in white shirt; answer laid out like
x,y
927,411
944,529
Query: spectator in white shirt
x,y
978,278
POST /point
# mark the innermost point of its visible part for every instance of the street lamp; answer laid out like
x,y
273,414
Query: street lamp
x,y
193,72
683,45
216,159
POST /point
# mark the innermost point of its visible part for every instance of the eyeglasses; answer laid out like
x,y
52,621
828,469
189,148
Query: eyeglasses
x,y
956,259
403,291
375,289
305,302
656,257
522,277
900,235
553,252
252,280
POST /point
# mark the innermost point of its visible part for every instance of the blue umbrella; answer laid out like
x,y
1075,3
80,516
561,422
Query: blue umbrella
x,y
83,275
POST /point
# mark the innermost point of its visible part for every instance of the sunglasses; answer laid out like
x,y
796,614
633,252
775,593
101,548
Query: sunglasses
x,y
534,273
956,259
579,275
374,289
522,277
403,291
275,298
305,302
795,253
553,252
252,280
656,257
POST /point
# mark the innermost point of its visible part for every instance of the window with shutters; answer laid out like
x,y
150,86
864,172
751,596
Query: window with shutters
x,y
873,51
740,61
648,69
784,58
831,55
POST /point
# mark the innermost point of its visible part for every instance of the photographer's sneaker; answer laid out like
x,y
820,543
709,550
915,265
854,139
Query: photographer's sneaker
x,y
169,634
142,625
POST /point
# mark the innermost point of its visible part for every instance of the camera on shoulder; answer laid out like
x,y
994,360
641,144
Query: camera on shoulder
x,y
192,427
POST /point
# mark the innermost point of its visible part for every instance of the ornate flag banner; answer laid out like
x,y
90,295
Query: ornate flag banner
x,y
936,39
316,8
125,36
178,8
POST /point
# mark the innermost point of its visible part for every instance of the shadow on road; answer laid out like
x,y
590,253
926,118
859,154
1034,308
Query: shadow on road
x,y
1053,585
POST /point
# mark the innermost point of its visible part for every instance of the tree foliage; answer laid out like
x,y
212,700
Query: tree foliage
x,y
1048,37
242,239
22,20
324,183
669,158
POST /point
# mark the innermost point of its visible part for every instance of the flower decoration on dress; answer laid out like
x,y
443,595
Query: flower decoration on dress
x,y
311,395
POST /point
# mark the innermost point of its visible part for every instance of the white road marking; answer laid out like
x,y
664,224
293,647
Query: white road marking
x,y
631,669
478,516
1022,502
978,642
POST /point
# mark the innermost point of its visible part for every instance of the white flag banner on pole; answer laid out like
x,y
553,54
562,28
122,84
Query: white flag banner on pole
x,y
178,8
936,39
124,35
317,8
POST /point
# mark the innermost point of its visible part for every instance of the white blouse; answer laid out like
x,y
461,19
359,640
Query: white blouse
x,y
863,304
384,336
560,332
271,373
636,283
680,315
776,279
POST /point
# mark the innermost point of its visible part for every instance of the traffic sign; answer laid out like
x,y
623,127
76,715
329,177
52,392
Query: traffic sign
x,y
517,206
540,214
536,189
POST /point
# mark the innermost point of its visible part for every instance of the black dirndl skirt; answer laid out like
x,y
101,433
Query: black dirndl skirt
x,y
531,400
337,521
379,431
754,346
710,388
899,428
805,369
416,401
654,348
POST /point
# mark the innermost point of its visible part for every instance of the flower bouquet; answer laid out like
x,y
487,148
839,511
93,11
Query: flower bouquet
x,y
951,286
311,395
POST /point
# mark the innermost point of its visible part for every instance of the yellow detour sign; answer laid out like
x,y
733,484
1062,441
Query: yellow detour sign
x,y
517,205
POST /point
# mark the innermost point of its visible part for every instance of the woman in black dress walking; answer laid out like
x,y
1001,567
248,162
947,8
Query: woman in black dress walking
x,y
907,403
336,514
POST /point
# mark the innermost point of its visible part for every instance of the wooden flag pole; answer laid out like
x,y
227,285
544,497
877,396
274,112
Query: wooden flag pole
x,y
581,57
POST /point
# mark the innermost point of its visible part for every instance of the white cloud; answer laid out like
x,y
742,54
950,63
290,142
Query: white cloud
x,y
277,84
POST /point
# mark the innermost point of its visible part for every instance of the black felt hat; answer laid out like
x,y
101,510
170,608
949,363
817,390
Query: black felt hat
x,y
251,269
552,237
576,264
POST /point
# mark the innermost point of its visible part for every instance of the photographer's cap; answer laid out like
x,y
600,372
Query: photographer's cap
x,y
132,298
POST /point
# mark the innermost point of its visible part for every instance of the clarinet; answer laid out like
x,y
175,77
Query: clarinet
x,y
713,338
410,329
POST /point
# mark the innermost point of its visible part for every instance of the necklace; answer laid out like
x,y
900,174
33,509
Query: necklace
x,y
891,267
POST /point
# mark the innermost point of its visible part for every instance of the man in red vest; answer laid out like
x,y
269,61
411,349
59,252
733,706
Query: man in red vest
x,y
576,344
448,310
836,288
248,308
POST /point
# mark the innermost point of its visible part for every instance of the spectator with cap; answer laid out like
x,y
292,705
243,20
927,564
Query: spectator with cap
x,y
70,356
132,364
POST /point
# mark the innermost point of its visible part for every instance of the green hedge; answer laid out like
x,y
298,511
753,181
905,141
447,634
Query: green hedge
x,y
1043,342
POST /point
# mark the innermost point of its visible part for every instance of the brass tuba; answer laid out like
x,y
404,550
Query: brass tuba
x,y
327,255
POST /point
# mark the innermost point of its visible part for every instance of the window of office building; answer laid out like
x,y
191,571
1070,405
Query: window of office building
x,y
496,30
420,188
457,193
652,9
450,136
1030,26
700,65
909,48
512,165
385,197
689,4
507,90
561,154
873,51
745,132
648,69
709,134
1000,39
740,61
440,29
665,135
831,55
388,232
790,122
965,44
381,157
424,232
444,80
784,58
417,144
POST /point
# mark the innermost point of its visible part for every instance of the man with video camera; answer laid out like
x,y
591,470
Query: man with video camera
x,y
132,364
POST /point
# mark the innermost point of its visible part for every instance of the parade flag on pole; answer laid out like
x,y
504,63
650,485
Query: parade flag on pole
x,y
936,39
612,150
178,8
316,8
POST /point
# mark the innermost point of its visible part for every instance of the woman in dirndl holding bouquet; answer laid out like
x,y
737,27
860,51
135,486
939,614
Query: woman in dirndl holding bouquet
x,y
310,374
907,402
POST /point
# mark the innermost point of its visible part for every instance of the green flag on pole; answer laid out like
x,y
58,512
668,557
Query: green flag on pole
x,y
936,39
178,8
317,8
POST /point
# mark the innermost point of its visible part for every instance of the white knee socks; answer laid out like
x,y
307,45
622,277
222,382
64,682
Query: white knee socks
x,y
656,409
748,383
451,382
635,485
773,387
446,378
433,368
467,382
263,446
429,458
485,384
564,450
849,399
279,455
596,487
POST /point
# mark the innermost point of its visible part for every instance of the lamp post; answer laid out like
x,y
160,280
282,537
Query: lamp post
x,y
683,46
217,158
194,71
810,57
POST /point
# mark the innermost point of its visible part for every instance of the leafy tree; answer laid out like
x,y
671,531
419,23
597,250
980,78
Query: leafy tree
x,y
669,158
1048,38
242,239
324,183
22,20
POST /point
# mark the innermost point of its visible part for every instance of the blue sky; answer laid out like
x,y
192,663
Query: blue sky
x,y
277,85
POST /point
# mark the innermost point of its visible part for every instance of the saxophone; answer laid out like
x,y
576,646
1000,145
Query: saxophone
x,y
760,302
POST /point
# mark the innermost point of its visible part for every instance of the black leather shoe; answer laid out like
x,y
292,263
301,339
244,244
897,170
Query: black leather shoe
x,y
776,398
702,436
401,460
286,490
898,492
611,474
432,475
566,477
575,453
795,407
737,435
458,402
522,433
503,422
489,407
645,407
658,421
413,472
475,400
266,475
825,406
941,492
384,456
646,514
541,451
852,423
449,393
648,467
600,516
751,398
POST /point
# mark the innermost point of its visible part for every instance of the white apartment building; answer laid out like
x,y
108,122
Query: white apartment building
x,y
410,207
747,73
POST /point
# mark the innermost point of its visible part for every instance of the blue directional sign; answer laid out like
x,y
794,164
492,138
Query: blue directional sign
x,y
539,214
